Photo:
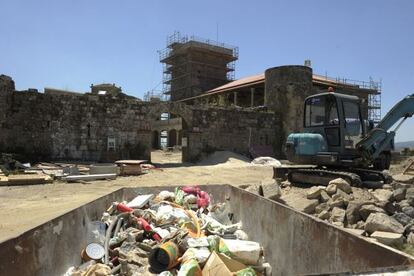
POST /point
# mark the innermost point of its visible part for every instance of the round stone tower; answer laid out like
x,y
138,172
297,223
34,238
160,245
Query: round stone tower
x,y
286,88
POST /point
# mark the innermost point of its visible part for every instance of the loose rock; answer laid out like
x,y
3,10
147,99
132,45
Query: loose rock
x,y
410,238
360,225
399,194
342,184
352,212
301,203
314,192
331,189
409,193
271,189
387,186
409,179
337,215
382,222
346,197
389,207
409,210
324,197
388,238
358,232
366,210
398,185
382,195
337,203
406,202
324,214
322,207
255,189
402,218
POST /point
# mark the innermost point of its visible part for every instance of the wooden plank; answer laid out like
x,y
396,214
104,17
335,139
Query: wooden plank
x,y
409,170
25,179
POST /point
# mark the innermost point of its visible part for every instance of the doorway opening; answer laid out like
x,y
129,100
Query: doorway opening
x,y
167,136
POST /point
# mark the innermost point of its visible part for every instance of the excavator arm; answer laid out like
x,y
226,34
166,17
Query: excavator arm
x,y
378,139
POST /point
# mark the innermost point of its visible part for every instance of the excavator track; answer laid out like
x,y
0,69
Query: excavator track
x,y
322,177
372,175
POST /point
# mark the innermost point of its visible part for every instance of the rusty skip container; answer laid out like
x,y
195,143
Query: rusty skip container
x,y
294,243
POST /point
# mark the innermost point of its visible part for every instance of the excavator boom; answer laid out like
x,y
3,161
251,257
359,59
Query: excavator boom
x,y
378,138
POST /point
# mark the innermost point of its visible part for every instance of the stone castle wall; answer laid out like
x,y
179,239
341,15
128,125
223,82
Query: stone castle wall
x,y
52,126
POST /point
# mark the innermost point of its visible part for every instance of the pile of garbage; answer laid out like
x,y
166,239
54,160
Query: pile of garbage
x,y
172,233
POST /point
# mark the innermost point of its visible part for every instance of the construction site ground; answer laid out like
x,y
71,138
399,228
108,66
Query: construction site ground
x,y
24,207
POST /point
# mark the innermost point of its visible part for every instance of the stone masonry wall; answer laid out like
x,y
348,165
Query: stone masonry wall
x,y
65,127
225,129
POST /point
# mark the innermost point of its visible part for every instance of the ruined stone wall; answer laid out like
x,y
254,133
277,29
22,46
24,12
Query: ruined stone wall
x,y
6,90
52,126
228,129
65,127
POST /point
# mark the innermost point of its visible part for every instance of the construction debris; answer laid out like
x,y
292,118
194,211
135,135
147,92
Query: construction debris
x,y
130,167
173,233
103,169
89,177
385,214
409,170
24,179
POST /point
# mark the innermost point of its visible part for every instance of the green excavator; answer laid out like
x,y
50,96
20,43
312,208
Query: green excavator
x,y
338,142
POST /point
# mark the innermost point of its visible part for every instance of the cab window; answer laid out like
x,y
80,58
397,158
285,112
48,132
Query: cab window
x,y
321,111
353,127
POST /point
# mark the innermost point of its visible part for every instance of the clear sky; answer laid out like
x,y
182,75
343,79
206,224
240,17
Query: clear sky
x,y
71,44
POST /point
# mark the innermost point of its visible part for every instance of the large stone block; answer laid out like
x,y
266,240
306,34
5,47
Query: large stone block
x,y
382,222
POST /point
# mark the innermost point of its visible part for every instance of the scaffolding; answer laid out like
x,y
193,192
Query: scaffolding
x,y
181,70
154,95
374,93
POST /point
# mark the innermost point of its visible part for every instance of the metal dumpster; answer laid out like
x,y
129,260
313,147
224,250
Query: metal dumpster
x,y
294,243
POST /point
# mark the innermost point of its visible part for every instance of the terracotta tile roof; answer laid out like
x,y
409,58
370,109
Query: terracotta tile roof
x,y
260,78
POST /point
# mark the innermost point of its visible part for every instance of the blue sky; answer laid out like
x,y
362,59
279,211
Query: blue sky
x,y
71,44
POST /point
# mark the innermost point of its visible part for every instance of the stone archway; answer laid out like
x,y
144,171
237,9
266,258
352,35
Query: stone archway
x,y
171,121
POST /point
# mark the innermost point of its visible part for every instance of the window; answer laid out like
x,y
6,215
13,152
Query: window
x,y
111,144
353,127
321,111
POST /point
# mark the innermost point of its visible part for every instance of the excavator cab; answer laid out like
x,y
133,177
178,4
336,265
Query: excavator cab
x,y
333,126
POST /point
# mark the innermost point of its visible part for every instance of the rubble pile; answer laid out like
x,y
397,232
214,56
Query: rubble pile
x,y
172,233
385,214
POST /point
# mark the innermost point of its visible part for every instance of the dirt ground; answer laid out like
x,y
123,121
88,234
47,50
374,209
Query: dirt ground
x,y
25,207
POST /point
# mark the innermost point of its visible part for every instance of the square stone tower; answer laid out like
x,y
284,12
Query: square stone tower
x,y
193,65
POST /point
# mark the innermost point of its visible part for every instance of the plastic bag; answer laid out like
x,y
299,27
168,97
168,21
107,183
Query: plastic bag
x,y
217,244
179,196
247,252
248,271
